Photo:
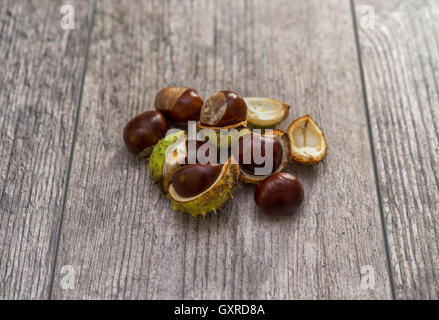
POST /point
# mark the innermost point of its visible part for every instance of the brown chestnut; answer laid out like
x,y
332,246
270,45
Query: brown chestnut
x,y
279,194
192,180
143,131
270,141
223,109
181,104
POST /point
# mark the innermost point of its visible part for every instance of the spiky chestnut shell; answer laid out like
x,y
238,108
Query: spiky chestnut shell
x,y
214,197
157,161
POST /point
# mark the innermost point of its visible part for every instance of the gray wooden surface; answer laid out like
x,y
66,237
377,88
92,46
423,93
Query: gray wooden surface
x,y
72,196
40,84
401,67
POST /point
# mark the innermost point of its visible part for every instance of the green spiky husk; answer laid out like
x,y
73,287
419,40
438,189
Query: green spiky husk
x,y
215,198
157,159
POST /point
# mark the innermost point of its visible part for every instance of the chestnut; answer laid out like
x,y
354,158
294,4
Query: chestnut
x,y
260,155
192,180
181,104
279,194
270,141
224,109
143,131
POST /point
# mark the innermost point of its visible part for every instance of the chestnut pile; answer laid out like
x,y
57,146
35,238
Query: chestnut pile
x,y
199,173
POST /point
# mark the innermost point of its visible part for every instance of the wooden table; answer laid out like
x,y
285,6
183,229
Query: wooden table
x,y
74,203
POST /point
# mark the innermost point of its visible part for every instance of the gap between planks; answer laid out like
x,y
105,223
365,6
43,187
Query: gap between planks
x,y
372,149
72,148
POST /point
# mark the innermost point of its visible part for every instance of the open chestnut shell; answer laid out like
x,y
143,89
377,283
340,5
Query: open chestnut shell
x,y
143,131
253,150
307,141
265,112
194,179
223,109
201,188
181,104
280,194
175,151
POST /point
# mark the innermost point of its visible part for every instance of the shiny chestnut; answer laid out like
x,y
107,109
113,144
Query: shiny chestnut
x,y
143,131
192,180
247,145
180,104
279,194
223,109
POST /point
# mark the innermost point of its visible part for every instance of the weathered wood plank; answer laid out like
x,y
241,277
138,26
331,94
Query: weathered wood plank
x,y
400,57
119,232
42,67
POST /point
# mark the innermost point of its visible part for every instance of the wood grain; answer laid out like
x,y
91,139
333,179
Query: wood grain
x,y
42,66
119,232
400,57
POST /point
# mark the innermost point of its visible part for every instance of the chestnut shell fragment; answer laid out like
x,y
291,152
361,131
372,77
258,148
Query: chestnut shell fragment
x,y
143,131
307,141
192,180
280,194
